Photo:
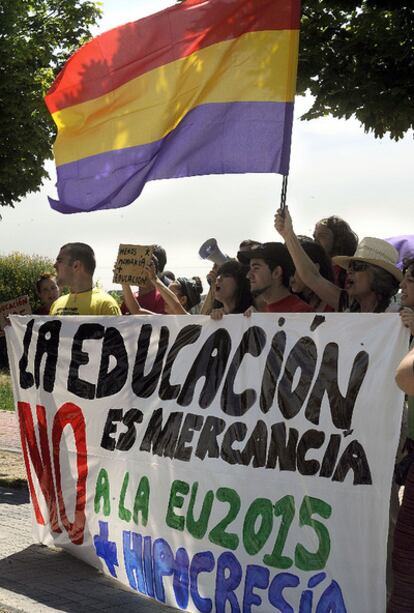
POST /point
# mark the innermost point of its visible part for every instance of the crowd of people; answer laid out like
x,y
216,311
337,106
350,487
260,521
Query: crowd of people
x,y
329,272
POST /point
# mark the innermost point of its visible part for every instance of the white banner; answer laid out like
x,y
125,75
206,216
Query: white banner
x,y
222,466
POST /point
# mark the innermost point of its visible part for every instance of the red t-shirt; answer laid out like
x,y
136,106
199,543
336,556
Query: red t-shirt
x,y
290,304
153,301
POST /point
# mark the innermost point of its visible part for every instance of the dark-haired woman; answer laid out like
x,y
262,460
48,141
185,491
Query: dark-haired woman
x,y
47,291
320,258
231,290
187,290
336,236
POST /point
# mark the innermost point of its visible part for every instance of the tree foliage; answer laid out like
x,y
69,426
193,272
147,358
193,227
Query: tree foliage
x,y
36,38
357,58
18,276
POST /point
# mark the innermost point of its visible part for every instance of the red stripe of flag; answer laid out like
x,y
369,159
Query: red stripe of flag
x,y
105,63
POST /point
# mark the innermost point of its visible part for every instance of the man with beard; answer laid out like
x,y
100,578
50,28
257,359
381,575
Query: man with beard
x,y
270,268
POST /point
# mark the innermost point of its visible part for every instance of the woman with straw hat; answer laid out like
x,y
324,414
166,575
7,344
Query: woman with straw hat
x,y
372,275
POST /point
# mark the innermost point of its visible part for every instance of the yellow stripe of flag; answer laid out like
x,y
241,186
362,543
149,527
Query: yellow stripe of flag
x,y
257,66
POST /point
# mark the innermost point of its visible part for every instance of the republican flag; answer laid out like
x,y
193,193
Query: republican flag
x,y
203,87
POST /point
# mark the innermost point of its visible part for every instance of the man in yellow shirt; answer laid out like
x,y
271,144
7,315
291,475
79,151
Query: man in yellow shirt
x,y
75,266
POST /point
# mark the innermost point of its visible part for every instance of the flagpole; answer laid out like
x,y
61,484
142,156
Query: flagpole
x,y
283,194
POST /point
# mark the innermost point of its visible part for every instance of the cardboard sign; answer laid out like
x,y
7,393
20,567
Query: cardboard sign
x,y
240,465
17,306
130,264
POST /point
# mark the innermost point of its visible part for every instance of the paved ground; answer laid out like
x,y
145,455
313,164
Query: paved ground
x,y
36,579
9,435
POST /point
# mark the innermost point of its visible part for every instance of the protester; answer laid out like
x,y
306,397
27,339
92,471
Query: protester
x,y
231,290
402,596
75,266
372,276
179,297
337,238
47,291
270,270
320,258
247,245
210,304
188,291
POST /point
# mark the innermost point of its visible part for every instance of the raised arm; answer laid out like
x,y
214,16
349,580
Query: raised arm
x,y
405,374
328,292
132,303
208,303
175,306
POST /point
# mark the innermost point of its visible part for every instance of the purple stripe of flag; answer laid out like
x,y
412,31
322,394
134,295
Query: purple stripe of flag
x,y
215,138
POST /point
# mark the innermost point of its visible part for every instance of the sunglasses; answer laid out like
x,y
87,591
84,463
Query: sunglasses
x,y
358,266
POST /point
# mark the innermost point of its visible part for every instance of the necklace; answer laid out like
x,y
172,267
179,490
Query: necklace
x,y
84,291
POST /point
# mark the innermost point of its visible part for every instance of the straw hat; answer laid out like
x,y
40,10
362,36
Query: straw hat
x,y
373,251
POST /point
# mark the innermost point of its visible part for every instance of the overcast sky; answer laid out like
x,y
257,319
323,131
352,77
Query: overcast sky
x,y
335,169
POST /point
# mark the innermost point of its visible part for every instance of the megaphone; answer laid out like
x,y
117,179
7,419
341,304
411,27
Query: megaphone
x,y
210,251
